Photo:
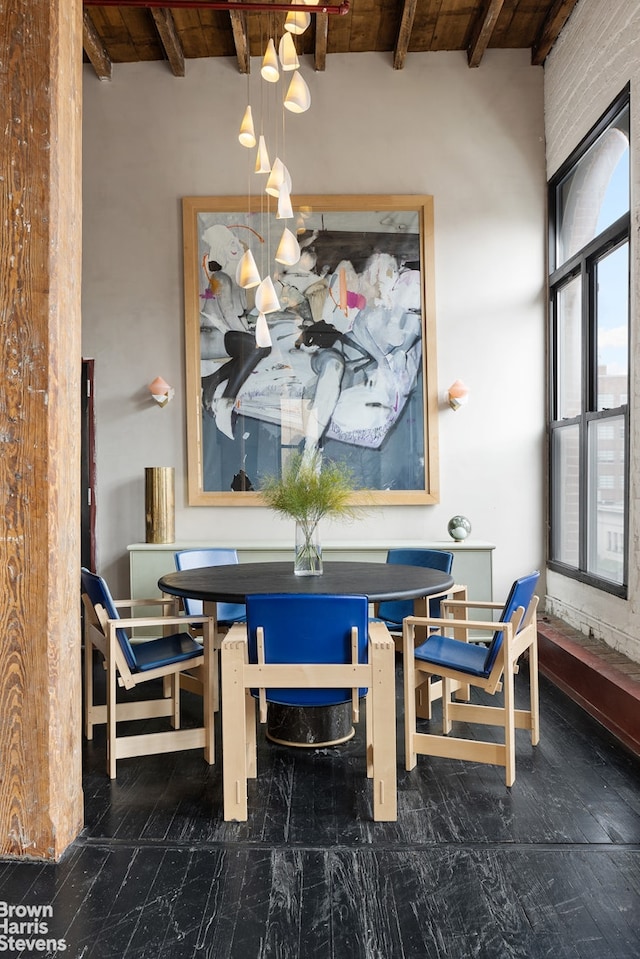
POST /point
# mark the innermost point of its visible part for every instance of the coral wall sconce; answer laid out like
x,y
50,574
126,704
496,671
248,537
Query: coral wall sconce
x,y
457,395
161,391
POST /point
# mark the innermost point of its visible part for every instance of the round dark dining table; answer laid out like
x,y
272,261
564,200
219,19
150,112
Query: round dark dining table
x,y
308,726
377,581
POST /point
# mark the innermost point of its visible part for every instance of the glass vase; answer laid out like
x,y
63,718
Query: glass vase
x,y
308,555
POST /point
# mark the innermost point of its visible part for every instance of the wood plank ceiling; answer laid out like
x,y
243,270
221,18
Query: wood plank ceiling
x,y
126,31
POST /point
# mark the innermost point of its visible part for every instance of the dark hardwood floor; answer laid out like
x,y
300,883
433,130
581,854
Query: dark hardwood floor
x,y
548,868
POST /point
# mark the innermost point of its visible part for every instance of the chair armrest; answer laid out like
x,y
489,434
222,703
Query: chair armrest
x,y
155,601
471,604
237,634
157,621
442,624
380,635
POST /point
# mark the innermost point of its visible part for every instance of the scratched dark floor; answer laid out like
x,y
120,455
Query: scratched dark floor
x,y
549,868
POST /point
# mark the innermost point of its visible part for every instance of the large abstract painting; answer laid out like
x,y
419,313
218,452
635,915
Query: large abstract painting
x,y
351,369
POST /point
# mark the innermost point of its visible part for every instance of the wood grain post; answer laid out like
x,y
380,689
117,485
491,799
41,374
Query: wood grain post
x,y
41,808
160,504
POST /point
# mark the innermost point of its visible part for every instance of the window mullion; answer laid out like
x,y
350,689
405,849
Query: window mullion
x,y
587,392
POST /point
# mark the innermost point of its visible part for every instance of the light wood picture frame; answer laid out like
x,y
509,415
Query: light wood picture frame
x,y
352,367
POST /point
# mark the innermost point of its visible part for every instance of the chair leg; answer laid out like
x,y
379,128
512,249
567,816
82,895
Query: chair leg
x,y
409,673
385,791
215,669
446,703
368,719
111,716
208,697
234,733
426,692
534,692
463,692
509,726
211,609
175,700
88,688
250,733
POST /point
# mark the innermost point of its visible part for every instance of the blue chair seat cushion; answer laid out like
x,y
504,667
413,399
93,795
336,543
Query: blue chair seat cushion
x,y
153,653
439,650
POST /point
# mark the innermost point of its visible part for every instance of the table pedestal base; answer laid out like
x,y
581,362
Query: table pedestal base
x,y
309,726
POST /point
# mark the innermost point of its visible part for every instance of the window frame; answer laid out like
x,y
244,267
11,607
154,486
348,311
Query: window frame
x,y
583,264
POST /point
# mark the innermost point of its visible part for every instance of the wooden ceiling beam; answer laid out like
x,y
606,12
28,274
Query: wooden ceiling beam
x,y
257,6
550,31
241,40
482,31
165,24
95,49
322,38
404,33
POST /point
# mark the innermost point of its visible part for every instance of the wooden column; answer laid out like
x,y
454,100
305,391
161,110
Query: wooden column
x,y
40,256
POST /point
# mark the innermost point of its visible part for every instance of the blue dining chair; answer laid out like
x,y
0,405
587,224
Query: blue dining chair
x,y
392,612
307,650
488,667
226,613
129,664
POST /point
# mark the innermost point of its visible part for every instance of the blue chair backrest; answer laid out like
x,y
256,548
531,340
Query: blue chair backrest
x,y
98,592
394,611
200,559
520,594
308,629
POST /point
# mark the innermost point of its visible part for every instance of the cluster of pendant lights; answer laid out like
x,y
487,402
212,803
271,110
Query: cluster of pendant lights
x,y
297,100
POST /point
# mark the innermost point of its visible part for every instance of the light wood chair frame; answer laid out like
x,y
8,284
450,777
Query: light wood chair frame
x,y
239,754
519,635
421,608
192,680
429,689
100,634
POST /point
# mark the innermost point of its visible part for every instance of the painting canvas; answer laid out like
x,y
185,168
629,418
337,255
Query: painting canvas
x,y
350,369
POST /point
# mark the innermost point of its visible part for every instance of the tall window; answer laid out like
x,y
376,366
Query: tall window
x,y
589,356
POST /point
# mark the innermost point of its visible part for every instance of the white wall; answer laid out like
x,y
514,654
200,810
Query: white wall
x,y
597,55
472,138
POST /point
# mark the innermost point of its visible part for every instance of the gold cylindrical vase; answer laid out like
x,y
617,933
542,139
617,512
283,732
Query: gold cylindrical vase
x,y
160,504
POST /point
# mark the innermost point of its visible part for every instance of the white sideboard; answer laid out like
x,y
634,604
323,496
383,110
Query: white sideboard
x,y
472,564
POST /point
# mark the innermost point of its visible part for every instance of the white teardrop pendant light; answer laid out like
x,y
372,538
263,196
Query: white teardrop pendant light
x,y
263,336
263,164
288,252
297,22
279,174
287,52
269,69
247,275
285,210
298,98
266,297
247,134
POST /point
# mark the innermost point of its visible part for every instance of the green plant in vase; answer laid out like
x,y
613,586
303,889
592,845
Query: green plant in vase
x,y
308,490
